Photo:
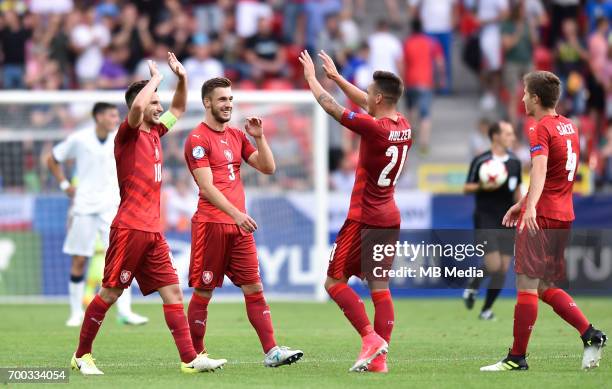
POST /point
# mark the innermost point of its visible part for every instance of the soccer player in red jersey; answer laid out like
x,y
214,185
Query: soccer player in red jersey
x,y
137,247
222,240
386,139
544,219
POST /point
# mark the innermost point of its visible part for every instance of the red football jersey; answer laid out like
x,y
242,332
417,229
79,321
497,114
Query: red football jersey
x,y
223,153
382,154
557,137
139,157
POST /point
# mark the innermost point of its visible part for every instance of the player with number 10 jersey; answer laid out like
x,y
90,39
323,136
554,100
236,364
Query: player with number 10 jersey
x,y
373,216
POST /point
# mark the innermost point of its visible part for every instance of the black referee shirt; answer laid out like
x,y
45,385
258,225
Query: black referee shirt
x,y
491,206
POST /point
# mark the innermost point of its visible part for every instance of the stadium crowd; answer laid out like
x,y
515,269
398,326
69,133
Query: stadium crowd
x,y
104,44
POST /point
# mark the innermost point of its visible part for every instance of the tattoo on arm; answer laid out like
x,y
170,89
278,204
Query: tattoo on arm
x,y
329,104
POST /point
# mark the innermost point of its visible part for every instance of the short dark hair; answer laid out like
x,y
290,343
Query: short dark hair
x,y
133,90
545,85
416,26
100,107
494,129
214,83
390,85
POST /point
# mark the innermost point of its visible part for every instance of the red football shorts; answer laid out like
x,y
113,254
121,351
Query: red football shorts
x,y
542,255
352,253
219,249
140,254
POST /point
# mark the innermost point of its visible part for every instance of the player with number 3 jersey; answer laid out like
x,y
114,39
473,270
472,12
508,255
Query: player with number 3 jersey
x,y
544,218
222,241
373,216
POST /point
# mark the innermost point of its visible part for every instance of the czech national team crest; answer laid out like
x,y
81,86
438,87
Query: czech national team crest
x,y
125,276
207,277
228,155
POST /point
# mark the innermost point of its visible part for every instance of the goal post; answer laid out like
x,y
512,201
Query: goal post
x,y
291,207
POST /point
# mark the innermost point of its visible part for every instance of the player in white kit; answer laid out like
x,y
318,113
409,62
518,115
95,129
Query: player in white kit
x,y
95,199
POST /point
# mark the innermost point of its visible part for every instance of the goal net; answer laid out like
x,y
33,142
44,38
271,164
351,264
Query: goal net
x,y
290,207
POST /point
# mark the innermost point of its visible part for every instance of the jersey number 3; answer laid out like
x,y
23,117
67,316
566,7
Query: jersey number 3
x,y
393,152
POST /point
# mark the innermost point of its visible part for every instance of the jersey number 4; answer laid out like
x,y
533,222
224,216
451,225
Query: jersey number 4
x,y
393,152
571,163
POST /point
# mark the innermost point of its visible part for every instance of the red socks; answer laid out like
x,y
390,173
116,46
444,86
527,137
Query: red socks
x,y
177,323
383,313
564,306
94,315
352,307
525,315
197,314
259,316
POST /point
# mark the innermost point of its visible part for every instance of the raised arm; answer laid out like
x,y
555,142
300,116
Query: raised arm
x,y
179,101
325,100
135,115
261,159
355,94
204,178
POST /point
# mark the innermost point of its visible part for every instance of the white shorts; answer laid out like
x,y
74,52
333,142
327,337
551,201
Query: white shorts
x,y
83,233
491,49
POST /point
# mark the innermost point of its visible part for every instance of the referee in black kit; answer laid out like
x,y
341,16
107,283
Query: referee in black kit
x,y
491,205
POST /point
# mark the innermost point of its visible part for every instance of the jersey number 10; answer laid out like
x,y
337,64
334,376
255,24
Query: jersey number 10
x,y
158,174
393,152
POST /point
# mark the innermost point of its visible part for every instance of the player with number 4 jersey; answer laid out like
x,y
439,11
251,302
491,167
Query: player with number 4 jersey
x,y
373,216
544,218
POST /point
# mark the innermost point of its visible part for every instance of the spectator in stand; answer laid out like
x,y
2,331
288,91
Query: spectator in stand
x,y
288,155
479,139
349,30
491,13
519,37
422,56
208,15
181,199
51,7
200,66
385,49
597,80
596,9
248,16
293,12
439,18
358,70
265,53
330,40
561,10
113,74
571,57
316,10
89,38
14,34
160,56
606,157
343,179
133,31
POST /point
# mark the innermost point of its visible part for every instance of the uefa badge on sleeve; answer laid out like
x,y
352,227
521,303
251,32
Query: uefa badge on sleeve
x,y
207,277
198,152
125,276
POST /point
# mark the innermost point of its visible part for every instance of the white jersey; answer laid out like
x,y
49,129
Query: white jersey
x,y
97,190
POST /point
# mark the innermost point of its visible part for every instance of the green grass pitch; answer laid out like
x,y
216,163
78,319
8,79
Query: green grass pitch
x,y
436,343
